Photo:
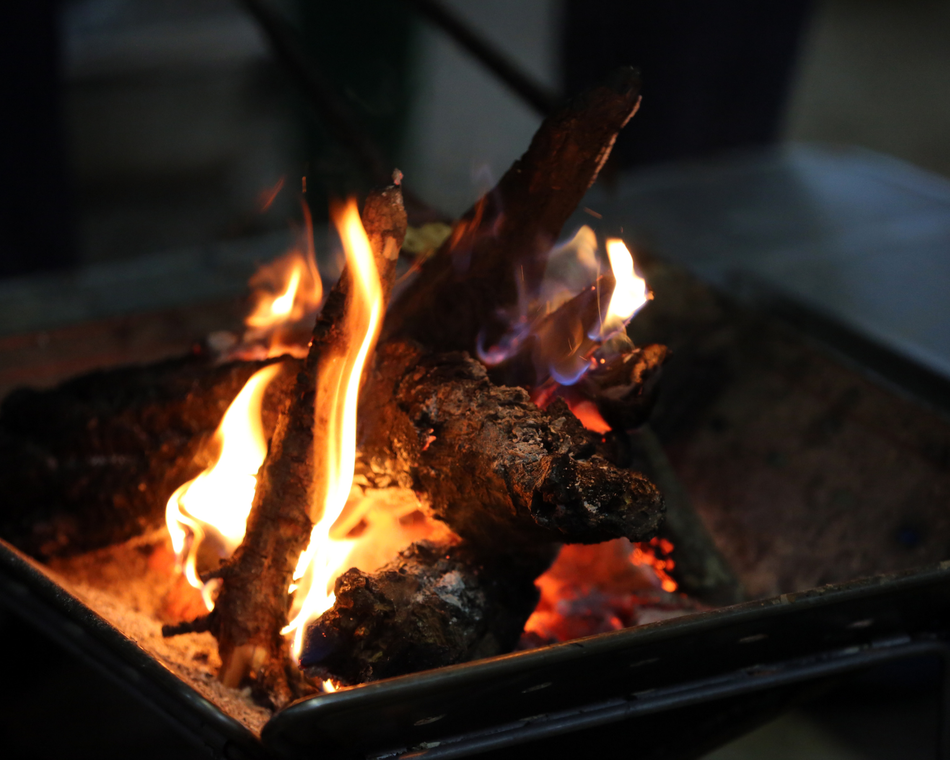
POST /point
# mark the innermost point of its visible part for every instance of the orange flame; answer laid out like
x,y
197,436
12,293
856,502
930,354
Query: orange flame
x,y
219,499
214,506
286,291
630,291
266,197
562,325
338,387
277,310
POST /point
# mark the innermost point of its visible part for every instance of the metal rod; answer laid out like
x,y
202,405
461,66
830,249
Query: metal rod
x,y
530,91
343,125
332,111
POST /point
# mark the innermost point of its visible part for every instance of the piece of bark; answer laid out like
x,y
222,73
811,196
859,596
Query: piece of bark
x,y
499,471
504,238
253,603
436,604
93,461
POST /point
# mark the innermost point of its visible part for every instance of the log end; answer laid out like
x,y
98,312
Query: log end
x,y
590,501
384,217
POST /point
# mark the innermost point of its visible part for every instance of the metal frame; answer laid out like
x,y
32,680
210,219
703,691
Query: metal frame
x,y
468,709
31,592
742,682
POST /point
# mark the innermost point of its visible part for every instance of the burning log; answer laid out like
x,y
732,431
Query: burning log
x,y
498,470
436,604
253,604
624,388
555,340
94,460
507,234
511,480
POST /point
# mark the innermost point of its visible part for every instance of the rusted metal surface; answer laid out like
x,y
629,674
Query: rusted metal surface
x,y
806,469
465,709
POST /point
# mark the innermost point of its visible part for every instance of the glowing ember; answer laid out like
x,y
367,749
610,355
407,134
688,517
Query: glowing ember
x,y
656,554
586,411
218,501
597,589
337,392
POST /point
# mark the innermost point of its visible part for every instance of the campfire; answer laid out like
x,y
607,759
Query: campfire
x,y
352,492
454,454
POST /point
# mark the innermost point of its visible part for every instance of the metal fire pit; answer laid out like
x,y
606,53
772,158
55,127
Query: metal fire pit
x,y
663,679
651,670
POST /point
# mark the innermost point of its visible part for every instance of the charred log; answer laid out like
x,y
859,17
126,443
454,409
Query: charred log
x,y
253,604
93,461
624,389
506,235
498,470
436,604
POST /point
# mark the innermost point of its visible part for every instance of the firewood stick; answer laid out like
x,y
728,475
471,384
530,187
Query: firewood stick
x,y
622,388
435,604
700,568
499,471
253,604
506,235
94,460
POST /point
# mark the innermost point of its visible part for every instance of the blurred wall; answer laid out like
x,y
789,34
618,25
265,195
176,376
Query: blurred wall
x,y
36,230
177,119
465,127
876,73
175,124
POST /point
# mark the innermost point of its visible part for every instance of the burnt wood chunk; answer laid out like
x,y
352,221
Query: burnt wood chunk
x,y
93,461
505,237
624,389
253,604
435,604
499,471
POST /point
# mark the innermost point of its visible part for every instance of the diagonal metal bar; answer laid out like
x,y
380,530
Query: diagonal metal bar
x,y
536,95
343,125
